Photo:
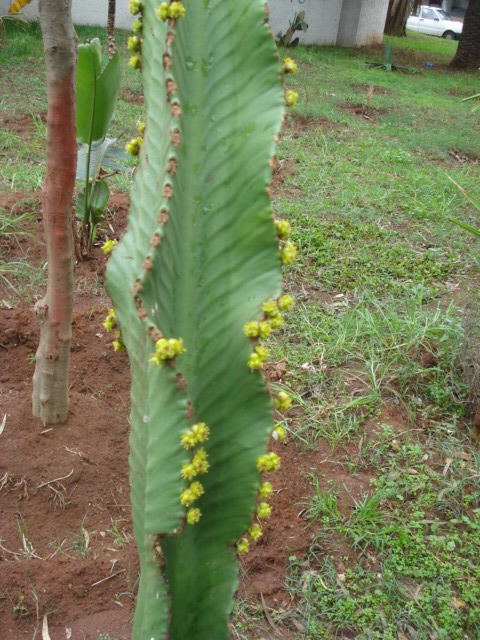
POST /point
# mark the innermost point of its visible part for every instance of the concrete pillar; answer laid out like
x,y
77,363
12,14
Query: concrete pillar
x,y
362,23
447,6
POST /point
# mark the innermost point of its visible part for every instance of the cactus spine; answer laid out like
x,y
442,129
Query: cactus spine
x,y
199,259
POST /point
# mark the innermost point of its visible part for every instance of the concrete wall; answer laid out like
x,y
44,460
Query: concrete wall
x,y
346,23
83,11
322,17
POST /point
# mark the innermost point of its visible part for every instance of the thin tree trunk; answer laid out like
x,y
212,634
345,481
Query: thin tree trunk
x,y
111,29
54,312
468,51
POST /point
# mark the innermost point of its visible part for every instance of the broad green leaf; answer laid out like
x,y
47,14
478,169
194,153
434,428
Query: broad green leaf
x,y
103,154
96,92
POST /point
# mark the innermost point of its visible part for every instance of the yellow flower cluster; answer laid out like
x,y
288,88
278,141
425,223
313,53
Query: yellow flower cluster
x,y
134,7
134,44
192,493
264,511
110,321
198,433
268,463
118,343
174,11
257,358
107,246
283,227
279,433
289,66
283,402
166,350
133,147
265,490
290,98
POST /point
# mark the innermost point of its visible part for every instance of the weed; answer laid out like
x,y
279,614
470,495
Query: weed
x,y
80,541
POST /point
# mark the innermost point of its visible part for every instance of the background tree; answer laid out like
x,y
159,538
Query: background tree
x,y
54,312
397,16
111,28
468,51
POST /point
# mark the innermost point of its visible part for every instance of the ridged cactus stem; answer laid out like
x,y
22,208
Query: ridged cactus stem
x,y
199,261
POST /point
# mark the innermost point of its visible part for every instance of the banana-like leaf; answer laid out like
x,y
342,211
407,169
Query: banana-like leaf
x,y
18,5
103,154
199,276
99,195
97,91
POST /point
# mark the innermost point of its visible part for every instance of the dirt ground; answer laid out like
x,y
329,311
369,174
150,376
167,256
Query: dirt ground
x,y
66,541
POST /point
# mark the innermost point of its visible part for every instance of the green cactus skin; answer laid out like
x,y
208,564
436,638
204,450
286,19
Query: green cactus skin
x,y
198,260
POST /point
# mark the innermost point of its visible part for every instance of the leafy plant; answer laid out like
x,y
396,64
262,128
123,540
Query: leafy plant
x,y
387,65
97,93
197,275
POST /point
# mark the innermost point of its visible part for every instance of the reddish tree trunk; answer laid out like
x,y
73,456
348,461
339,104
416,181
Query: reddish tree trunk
x,y
50,380
468,51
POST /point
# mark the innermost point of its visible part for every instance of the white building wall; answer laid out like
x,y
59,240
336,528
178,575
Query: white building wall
x,y
83,12
347,23
322,17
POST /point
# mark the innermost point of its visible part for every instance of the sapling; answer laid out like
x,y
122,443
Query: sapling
x,y
196,287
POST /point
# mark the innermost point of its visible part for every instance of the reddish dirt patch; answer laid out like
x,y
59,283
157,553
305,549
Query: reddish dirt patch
x,y
21,126
64,490
370,114
130,96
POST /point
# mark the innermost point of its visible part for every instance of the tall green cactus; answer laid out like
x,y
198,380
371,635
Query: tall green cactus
x,y
199,259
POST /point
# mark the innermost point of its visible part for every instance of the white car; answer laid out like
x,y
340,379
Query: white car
x,y
434,22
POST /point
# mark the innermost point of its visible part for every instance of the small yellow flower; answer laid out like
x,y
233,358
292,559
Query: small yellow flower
x,y
251,329
290,98
255,532
188,472
137,26
107,246
188,440
286,303
133,147
289,66
264,329
283,227
141,128
201,432
264,510
197,489
283,401
277,322
134,7
262,352
135,62
242,546
279,433
268,463
193,516
187,497
176,10
288,253
134,44
255,362
191,494
110,321
162,11
270,308
265,491
117,343
199,463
